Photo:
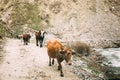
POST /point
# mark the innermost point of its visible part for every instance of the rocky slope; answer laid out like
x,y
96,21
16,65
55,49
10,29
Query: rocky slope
x,y
96,22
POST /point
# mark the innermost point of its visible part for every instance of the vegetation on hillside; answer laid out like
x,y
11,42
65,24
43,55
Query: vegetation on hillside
x,y
25,13
2,30
114,6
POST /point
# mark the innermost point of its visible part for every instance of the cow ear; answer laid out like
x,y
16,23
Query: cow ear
x,y
62,51
39,32
45,32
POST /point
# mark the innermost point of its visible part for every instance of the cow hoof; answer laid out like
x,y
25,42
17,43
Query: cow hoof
x,y
40,45
49,64
52,63
62,75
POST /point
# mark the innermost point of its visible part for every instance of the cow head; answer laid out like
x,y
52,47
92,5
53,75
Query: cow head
x,y
29,36
42,33
67,54
26,38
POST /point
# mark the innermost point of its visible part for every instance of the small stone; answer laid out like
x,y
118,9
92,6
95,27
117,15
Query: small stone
x,y
8,62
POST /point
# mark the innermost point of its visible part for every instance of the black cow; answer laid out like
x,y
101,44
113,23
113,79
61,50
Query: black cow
x,y
40,37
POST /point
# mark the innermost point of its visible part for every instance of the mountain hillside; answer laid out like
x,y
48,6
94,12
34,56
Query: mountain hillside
x,y
95,22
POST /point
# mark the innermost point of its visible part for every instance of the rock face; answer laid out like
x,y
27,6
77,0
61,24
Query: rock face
x,y
96,22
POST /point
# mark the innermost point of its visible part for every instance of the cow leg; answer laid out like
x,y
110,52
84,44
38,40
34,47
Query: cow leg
x,y
61,73
53,62
60,68
24,41
49,61
36,42
41,44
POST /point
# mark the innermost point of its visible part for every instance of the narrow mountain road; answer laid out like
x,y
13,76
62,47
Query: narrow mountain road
x,y
29,62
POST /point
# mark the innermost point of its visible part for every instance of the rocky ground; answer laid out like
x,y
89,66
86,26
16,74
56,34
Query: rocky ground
x,y
21,62
18,61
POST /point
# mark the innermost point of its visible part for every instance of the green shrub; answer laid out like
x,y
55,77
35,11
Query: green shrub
x,y
36,27
2,30
25,14
6,1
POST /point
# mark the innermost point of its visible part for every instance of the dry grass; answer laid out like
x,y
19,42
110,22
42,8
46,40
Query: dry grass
x,y
2,30
114,6
81,48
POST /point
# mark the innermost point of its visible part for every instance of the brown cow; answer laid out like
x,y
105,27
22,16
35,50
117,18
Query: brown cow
x,y
57,50
26,38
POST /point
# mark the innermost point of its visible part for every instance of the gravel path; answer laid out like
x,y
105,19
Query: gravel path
x,y
29,62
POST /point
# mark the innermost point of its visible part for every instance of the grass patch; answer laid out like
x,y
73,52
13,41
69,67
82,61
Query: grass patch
x,y
36,27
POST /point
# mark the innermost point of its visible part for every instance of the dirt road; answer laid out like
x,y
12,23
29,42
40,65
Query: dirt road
x,y
29,62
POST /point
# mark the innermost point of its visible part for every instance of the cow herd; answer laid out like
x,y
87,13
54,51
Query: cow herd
x,y
55,49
